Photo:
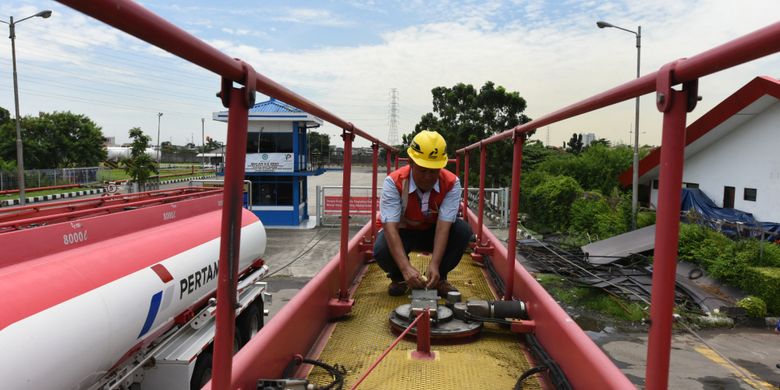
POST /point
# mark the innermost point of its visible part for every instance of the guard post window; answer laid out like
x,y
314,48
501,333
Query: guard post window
x,y
750,194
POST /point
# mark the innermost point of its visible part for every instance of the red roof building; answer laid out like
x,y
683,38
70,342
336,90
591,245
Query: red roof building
x,y
732,153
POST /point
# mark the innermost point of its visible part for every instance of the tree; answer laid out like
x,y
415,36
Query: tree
x,y
534,153
5,116
575,144
53,140
319,147
549,203
601,141
166,147
464,115
212,144
140,165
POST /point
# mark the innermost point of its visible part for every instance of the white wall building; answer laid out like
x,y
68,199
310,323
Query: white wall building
x,y
732,153
587,138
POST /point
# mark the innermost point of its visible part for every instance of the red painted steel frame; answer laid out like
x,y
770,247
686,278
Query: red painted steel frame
x,y
480,214
666,240
577,355
136,20
298,324
465,184
389,159
64,186
514,209
346,178
423,337
757,44
374,172
238,120
88,209
585,364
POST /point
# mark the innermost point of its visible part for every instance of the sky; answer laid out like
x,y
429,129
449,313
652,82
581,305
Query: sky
x,y
347,55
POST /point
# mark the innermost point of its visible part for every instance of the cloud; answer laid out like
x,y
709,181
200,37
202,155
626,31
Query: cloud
x,y
552,65
241,32
550,52
313,16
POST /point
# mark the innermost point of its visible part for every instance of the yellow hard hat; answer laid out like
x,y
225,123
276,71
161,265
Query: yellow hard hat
x,y
428,150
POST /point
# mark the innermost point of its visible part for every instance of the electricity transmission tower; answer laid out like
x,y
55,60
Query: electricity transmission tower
x,y
392,132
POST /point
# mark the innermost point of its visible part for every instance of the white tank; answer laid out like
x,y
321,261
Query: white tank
x,y
80,297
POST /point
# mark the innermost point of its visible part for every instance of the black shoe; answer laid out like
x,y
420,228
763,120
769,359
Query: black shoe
x,y
396,289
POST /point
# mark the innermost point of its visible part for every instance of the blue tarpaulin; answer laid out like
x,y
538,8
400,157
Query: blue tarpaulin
x,y
732,222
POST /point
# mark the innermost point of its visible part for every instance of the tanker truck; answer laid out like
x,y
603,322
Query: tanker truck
x,y
121,295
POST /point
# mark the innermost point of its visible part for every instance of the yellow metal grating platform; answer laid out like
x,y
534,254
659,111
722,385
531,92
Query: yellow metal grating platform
x,y
493,360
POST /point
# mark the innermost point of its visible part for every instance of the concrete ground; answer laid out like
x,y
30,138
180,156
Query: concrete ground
x,y
694,362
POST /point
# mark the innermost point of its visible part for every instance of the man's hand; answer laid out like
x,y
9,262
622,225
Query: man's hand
x,y
433,276
412,277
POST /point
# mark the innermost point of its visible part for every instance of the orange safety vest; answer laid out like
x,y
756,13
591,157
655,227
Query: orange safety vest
x,y
412,216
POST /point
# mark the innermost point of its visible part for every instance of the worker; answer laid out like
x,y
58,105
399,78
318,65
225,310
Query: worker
x,y
419,212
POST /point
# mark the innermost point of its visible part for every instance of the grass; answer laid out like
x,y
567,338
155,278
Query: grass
x,y
40,193
120,174
591,299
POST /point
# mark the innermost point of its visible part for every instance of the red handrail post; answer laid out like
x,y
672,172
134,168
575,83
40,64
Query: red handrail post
x,y
482,163
514,193
423,351
396,161
348,137
457,164
238,121
388,157
375,172
674,105
465,185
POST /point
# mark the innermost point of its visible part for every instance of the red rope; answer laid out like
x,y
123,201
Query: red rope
x,y
376,363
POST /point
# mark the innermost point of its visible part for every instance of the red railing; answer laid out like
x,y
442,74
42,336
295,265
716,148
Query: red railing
x,y
299,324
51,212
142,23
674,105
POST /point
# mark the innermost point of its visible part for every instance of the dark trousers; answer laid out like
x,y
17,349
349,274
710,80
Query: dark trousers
x,y
422,240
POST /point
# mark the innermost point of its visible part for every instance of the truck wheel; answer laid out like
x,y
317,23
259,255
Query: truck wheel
x,y
201,374
251,321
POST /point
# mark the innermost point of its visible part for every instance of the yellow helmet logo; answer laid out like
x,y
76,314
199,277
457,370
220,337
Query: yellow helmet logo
x,y
428,149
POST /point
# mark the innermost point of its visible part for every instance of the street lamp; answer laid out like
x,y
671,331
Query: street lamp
x,y
159,115
19,152
635,178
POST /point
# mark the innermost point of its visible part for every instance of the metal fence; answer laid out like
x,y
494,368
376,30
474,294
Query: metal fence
x,y
328,205
49,177
496,206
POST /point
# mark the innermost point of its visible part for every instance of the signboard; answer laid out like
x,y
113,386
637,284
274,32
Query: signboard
x,y
358,205
269,162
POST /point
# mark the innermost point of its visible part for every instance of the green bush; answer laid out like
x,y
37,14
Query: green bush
x,y
754,306
730,266
549,203
645,218
739,264
584,212
769,257
763,282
